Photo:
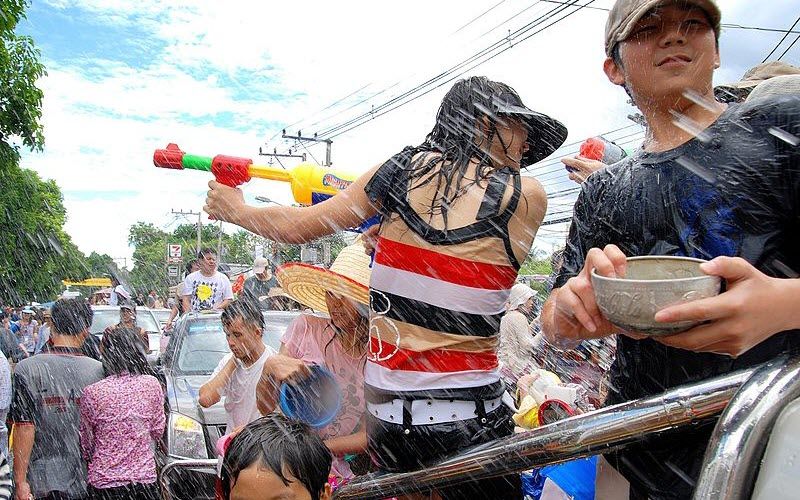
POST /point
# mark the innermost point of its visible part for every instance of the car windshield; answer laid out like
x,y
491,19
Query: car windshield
x,y
203,342
104,318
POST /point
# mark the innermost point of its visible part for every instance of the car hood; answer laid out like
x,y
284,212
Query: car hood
x,y
183,391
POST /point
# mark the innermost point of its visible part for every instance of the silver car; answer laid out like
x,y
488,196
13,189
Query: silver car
x,y
195,348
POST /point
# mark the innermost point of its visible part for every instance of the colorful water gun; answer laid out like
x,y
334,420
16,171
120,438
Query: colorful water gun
x,y
310,184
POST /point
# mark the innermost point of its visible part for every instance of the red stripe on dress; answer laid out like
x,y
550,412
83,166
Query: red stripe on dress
x,y
444,267
433,360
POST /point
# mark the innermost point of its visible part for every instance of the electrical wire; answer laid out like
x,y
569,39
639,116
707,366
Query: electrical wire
x,y
430,81
364,118
781,41
789,47
479,16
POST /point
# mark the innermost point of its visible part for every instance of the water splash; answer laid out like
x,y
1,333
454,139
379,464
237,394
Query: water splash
x,y
694,167
785,136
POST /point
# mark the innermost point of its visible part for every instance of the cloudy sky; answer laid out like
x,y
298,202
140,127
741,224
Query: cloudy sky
x,y
126,77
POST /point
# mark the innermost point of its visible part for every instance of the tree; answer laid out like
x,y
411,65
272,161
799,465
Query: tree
x,y
35,252
20,98
150,251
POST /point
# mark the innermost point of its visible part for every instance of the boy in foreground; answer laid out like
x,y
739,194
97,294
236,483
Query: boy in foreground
x,y
713,181
276,458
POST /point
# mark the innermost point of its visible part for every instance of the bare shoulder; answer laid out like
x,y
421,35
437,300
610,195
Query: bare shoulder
x,y
532,188
534,195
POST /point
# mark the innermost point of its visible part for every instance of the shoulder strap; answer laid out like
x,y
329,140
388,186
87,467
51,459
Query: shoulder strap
x,y
490,221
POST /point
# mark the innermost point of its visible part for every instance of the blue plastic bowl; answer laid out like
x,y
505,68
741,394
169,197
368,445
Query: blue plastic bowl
x,y
315,400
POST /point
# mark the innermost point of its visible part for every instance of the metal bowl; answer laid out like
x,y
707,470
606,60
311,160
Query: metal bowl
x,y
653,283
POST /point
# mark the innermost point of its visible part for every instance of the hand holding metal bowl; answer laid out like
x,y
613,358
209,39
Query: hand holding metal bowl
x,y
653,283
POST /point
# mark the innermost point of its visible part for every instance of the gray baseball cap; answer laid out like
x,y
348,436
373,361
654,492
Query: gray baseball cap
x,y
626,13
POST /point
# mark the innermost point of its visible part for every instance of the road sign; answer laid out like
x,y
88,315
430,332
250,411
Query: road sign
x,y
173,270
174,251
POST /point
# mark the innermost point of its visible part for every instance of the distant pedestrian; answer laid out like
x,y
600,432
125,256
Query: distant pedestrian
x,y
28,331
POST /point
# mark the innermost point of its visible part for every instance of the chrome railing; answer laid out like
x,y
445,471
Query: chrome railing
x,y
198,464
740,437
579,436
753,397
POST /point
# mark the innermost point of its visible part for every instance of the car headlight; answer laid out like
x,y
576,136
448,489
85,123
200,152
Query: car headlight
x,y
185,437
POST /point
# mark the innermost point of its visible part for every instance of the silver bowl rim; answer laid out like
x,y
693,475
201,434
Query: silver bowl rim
x,y
656,257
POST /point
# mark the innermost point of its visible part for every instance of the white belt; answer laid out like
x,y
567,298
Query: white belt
x,y
430,411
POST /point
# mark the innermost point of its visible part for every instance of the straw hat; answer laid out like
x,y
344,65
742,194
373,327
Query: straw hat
x,y
347,276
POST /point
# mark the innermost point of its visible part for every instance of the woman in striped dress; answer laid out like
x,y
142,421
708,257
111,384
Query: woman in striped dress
x,y
458,219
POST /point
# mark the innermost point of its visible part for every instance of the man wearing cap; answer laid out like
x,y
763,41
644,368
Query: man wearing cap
x,y
118,294
261,282
715,181
44,331
127,319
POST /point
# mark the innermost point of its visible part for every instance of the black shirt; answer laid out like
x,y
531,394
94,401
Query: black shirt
x,y
731,191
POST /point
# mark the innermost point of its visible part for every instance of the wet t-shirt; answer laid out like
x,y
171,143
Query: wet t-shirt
x,y
47,394
731,191
207,292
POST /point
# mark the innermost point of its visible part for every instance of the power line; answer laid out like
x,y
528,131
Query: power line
x,y
479,16
781,40
431,81
511,40
371,115
723,25
365,86
789,48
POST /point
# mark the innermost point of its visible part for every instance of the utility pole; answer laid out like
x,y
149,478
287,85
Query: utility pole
x,y
299,138
219,242
199,225
278,156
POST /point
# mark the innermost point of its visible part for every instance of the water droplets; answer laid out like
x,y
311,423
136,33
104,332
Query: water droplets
x,y
690,126
694,167
785,136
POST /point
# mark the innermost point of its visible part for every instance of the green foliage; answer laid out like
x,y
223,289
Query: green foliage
x,y
150,251
20,98
100,265
35,252
537,263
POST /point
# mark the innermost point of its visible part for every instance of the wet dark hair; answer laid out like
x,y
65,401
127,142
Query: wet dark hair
x,y
244,308
71,316
205,251
458,125
123,351
277,442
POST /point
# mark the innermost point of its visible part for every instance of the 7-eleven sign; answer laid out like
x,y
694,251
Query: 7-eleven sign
x,y
174,253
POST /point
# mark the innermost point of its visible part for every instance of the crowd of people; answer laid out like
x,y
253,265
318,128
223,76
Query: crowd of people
x,y
421,322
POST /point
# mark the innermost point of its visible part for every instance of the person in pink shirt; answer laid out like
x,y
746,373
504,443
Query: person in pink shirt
x,y
121,416
338,342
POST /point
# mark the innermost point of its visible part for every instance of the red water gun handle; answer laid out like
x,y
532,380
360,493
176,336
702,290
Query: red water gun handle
x,y
231,170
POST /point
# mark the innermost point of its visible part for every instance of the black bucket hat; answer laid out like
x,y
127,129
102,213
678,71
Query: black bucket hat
x,y
545,134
